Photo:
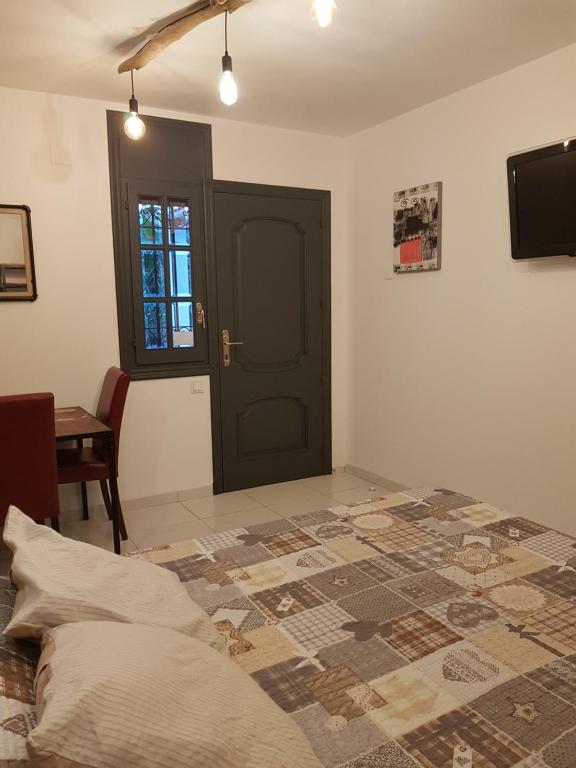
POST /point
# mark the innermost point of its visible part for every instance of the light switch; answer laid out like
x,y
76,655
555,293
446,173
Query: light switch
x,y
197,387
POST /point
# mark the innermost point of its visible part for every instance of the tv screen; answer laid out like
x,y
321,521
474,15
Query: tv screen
x,y
542,191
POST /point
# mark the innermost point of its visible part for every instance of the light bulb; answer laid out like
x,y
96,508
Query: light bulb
x,y
323,11
228,88
134,127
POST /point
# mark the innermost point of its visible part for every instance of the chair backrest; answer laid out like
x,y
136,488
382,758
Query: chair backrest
x,y
28,475
112,400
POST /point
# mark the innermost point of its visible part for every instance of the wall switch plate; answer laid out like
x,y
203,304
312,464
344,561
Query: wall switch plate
x,y
197,387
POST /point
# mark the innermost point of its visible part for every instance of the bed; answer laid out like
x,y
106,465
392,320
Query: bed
x,y
423,629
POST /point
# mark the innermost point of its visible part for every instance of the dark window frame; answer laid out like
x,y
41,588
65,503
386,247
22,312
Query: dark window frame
x,y
126,177
168,193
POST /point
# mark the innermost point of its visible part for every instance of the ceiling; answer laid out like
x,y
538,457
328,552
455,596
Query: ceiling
x,y
380,57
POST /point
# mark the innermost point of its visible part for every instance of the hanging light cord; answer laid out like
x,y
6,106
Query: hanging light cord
x,y
226,31
132,80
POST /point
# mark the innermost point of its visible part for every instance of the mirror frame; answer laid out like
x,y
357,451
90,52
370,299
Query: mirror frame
x,y
25,215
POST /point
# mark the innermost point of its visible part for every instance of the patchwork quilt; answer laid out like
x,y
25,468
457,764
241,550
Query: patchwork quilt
x,y
423,629
18,661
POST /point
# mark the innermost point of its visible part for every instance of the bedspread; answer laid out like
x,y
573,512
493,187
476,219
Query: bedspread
x,y
423,629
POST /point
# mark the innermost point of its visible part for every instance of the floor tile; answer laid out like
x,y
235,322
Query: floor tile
x,y
241,519
169,534
224,504
252,509
337,481
266,494
361,493
302,506
149,519
95,532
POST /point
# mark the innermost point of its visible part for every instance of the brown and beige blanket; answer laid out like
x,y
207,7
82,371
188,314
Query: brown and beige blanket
x,y
420,630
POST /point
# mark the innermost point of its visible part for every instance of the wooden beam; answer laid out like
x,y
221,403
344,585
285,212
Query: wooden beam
x,y
175,27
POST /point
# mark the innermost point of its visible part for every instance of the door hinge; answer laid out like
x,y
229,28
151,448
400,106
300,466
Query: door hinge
x,y
134,343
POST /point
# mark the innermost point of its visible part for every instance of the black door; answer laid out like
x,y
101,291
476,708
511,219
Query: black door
x,y
271,400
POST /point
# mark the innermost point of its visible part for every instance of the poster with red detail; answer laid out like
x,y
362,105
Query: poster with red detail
x,y
417,228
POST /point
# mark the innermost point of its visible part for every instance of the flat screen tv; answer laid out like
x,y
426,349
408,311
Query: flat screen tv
x,y
542,191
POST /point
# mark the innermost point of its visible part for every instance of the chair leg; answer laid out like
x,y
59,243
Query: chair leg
x,y
55,523
122,524
85,513
106,497
108,505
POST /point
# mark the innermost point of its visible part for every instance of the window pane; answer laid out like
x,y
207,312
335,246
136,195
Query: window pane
x,y
180,273
153,284
150,220
178,224
182,324
155,333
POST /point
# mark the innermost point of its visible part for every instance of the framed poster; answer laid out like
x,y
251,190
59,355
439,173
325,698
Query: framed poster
x,y
417,228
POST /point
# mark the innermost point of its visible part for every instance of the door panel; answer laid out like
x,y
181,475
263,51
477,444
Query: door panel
x,y
272,275
280,343
272,425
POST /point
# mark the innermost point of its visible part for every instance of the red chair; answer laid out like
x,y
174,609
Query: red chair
x,y
84,464
28,475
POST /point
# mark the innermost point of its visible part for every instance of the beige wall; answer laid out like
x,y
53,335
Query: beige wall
x,y
466,378
53,157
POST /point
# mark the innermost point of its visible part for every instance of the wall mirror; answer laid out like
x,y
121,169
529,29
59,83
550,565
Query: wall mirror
x,y
17,279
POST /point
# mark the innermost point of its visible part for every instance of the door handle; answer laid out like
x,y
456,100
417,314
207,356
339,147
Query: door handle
x,y
226,344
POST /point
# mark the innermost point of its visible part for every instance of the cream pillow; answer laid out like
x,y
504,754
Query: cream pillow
x,y
61,581
115,695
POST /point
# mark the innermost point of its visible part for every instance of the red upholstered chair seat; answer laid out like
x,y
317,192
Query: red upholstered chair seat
x,y
77,465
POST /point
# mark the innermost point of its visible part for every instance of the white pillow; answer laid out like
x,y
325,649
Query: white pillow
x,y
122,696
61,581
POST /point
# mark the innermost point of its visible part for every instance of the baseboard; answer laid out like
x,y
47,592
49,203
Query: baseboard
x,y
196,493
372,477
168,498
74,512
150,501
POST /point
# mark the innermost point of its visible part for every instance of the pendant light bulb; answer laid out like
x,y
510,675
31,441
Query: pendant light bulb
x,y
134,126
323,12
228,87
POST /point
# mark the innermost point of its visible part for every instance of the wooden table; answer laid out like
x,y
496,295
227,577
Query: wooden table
x,y
77,424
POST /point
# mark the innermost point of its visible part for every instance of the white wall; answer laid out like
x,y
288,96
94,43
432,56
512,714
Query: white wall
x,y
53,157
463,378
466,378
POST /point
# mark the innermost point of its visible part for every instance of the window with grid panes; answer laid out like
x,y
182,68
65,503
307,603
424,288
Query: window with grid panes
x,y
167,254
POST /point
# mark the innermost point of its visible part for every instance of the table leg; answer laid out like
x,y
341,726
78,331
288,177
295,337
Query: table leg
x,y
114,494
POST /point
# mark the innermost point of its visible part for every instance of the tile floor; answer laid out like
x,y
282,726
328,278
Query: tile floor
x,y
168,523
177,521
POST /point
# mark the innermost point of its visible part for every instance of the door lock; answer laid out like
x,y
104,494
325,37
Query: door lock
x,y
200,315
226,344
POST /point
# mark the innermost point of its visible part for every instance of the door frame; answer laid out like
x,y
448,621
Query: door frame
x,y
242,188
